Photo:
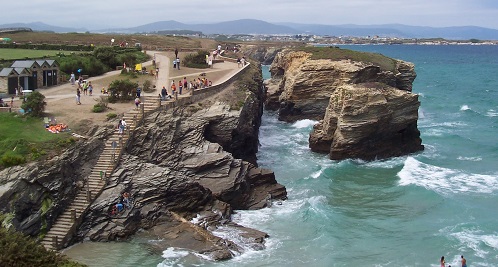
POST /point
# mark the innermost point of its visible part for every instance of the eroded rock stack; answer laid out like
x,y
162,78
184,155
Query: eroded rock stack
x,y
364,110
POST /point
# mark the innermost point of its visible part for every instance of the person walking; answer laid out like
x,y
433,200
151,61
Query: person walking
x,y
464,262
180,87
139,91
164,92
176,52
137,102
90,88
78,96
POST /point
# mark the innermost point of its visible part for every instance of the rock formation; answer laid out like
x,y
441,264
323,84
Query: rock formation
x,y
186,169
365,108
171,167
262,53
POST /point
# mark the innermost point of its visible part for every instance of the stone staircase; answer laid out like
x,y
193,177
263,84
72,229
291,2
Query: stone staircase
x,y
68,221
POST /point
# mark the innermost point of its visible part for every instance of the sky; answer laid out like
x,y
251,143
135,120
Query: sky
x,y
94,15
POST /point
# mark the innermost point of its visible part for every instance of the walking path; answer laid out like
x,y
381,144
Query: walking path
x,y
67,223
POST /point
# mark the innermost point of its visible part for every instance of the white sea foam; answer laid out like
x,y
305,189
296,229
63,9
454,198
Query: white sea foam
x,y
174,253
386,164
304,123
469,158
474,239
443,180
464,107
492,113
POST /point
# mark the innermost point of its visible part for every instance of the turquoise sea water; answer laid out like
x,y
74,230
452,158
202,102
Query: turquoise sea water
x,y
406,211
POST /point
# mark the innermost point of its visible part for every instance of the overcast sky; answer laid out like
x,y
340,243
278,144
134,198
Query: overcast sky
x,y
101,14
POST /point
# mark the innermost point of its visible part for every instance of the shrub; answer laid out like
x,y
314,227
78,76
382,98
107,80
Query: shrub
x,y
9,160
97,108
17,249
122,90
102,105
34,104
111,116
147,86
196,60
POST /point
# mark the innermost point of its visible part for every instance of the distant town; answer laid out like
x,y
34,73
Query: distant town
x,y
344,40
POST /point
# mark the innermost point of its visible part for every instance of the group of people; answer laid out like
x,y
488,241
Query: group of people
x,y
463,262
124,202
83,87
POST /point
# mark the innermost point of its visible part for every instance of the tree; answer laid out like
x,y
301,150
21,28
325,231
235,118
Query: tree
x,y
122,90
34,104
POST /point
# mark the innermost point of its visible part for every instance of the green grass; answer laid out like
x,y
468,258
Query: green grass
x,y
335,53
11,53
23,139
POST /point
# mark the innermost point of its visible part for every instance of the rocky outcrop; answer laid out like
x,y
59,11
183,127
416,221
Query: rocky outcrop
x,y
262,53
171,167
362,121
35,194
365,110
186,169
305,84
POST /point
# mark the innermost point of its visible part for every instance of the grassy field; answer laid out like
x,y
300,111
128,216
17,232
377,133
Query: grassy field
x,y
335,53
148,42
25,138
10,53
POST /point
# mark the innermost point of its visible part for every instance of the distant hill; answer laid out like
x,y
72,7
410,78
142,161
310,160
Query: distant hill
x,y
243,26
398,30
40,26
252,26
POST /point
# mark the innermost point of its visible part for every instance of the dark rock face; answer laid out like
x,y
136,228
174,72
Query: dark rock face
x,y
37,193
171,167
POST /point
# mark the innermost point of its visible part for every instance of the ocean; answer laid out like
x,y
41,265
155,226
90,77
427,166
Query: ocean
x,y
405,211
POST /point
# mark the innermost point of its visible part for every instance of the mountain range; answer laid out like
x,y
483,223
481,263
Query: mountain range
x,y
251,26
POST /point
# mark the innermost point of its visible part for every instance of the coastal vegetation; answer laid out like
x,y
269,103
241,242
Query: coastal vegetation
x,y
196,60
34,104
24,138
17,249
336,53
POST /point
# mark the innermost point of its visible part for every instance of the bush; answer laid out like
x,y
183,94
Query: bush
x,y
147,86
122,90
34,104
9,160
196,60
102,105
111,116
19,250
97,108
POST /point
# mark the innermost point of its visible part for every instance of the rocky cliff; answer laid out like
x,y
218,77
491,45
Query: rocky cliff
x,y
262,53
363,101
183,181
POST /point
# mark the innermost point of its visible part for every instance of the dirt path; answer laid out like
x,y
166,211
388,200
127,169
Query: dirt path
x,y
61,99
